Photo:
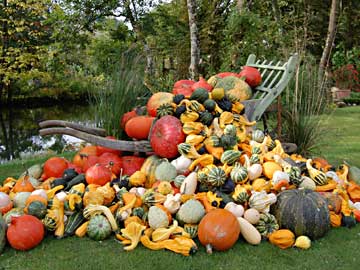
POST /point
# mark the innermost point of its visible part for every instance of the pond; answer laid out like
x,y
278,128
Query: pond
x,y
19,135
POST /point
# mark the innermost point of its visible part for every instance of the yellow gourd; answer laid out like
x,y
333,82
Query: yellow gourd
x,y
282,238
303,242
137,179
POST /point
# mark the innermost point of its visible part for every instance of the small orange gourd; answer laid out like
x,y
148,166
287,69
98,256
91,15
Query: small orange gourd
x,y
283,238
23,184
269,167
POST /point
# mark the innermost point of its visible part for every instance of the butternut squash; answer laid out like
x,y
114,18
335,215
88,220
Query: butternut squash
x,y
249,232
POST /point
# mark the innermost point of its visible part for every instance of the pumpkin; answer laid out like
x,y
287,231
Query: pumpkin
x,y
156,100
101,149
2,233
192,211
25,232
304,212
252,76
111,160
165,136
5,203
218,229
89,150
89,161
249,232
99,228
54,167
131,164
235,88
158,217
98,174
139,127
282,238
202,83
200,94
37,209
127,116
183,87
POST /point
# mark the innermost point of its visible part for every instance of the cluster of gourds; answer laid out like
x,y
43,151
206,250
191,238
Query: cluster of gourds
x,y
224,179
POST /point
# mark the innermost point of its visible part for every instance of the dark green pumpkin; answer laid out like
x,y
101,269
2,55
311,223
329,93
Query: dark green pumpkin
x,y
210,105
206,118
200,94
304,212
2,233
37,209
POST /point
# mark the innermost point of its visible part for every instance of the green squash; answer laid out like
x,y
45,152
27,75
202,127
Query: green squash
x,y
210,105
37,209
230,156
235,88
216,177
2,233
191,229
99,228
206,118
239,174
74,221
304,212
200,94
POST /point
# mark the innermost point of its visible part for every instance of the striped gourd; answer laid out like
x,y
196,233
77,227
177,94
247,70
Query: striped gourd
x,y
216,177
317,176
189,116
192,128
196,106
256,150
267,224
230,156
230,130
239,174
99,228
214,140
178,180
149,167
202,175
254,159
258,136
294,174
270,143
191,229
74,221
240,194
164,109
49,222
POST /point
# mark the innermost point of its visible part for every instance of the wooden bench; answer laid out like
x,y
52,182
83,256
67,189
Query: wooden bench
x,y
275,77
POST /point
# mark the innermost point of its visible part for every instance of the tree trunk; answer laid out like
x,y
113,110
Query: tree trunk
x,y
330,38
4,43
276,10
194,40
240,5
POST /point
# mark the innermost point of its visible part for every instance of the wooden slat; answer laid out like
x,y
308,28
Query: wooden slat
x,y
61,123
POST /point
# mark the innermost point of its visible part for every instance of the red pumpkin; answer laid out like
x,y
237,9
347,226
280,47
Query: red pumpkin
x,y
356,213
139,127
218,229
202,83
90,150
165,136
225,74
89,161
77,168
54,167
252,76
131,164
111,160
126,117
101,149
183,87
156,100
25,232
98,175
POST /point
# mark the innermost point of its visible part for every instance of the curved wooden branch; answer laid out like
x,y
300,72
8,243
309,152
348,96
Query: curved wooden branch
x,y
62,123
131,146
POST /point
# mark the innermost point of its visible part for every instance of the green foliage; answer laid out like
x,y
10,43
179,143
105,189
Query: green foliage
x,y
124,89
305,101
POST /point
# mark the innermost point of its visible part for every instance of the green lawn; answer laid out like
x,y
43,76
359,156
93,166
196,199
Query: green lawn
x,y
337,250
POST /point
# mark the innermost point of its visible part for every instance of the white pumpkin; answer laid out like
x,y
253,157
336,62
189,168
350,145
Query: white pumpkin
x,y
236,209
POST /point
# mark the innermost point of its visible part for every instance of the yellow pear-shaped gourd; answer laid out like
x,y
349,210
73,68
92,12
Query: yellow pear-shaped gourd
x,y
302,242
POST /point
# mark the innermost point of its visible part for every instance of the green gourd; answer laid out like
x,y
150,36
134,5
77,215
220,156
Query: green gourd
x,y
239,174
230,156
99,228
216,177
37,209
192,211
258,135
200,94
267,224
74,221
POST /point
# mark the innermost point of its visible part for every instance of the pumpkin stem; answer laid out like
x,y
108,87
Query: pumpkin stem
x,y
208,249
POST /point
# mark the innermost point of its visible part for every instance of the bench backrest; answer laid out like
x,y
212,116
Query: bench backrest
x,y
275,77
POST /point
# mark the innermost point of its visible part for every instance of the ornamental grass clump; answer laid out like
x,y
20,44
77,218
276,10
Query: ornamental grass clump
x,y
306,99
122,91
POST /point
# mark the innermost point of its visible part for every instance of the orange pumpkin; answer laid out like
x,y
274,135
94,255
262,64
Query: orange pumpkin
x,y
139,127
54,167
90,150
98,174
23,184
156,100
218,229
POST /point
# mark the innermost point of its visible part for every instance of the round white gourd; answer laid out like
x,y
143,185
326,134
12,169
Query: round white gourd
x,y
252,215
236,209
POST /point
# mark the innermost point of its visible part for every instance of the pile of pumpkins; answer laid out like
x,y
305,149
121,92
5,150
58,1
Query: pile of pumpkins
x,y
212,176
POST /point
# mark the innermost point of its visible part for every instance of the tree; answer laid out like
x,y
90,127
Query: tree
x,y
330,37
194,40
24,32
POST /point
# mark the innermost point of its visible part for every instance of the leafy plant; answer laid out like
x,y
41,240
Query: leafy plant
x,y
347,77
305,101
122,91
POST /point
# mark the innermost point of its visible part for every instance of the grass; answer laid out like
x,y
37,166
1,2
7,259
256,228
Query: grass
x,y
337,250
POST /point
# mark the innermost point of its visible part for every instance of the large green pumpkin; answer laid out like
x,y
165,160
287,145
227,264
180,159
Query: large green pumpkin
x,y
235,88
2,233
304,212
